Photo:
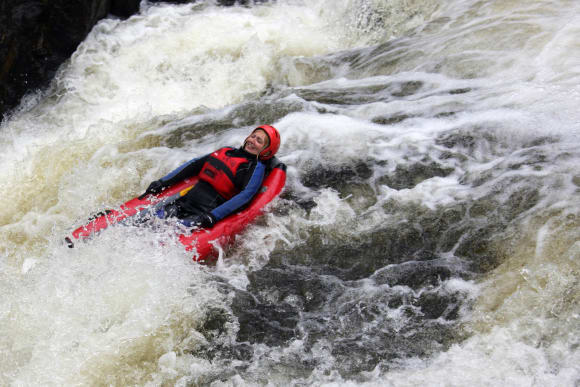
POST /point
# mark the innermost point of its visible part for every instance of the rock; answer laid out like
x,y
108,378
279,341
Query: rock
x,y
337,176
124,8
410,176
362,319
263,322
36,37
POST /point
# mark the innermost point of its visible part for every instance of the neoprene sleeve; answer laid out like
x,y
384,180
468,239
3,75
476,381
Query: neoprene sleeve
x,y
189,169
244,197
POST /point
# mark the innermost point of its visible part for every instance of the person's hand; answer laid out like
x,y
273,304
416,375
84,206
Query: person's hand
x,y
203,221
154,188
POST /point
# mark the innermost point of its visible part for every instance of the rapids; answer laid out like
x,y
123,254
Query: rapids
x,y
429,232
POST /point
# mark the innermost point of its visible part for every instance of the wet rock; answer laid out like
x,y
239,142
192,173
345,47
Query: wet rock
x,y
406,89
352,181
483,208
236,351
531,157
377,60
339,97
410,176
442,229
478,247
479,235
264,322
214,324
183,134
253,113
356,321
390,120
401,312
337,176
542,140
462,139
304,203
420,274
124,8
382,289
460,91
226,3
38,36
260,321
354,357
434,306
305,289
361,94
421,236
503,212
214,328
355,259
172,1
240,2
445,114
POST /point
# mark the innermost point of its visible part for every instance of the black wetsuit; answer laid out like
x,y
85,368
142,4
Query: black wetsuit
x,y
204,199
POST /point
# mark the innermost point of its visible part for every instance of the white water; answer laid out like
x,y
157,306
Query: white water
x,y
126,308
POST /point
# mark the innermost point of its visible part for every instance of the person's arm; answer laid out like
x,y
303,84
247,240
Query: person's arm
x,y
189,169
242,198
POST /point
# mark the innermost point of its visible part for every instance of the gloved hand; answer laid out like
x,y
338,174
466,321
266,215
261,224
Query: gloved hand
x,y
203,221
154,188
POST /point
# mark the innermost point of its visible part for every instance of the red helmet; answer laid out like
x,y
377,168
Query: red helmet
x,y
274,137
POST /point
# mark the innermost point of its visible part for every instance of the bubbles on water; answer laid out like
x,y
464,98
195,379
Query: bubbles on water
x,y
113,304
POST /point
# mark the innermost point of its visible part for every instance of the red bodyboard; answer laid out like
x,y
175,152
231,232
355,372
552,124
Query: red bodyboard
x,y
201,241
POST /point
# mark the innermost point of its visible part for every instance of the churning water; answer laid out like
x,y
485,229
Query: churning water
x,y
429,233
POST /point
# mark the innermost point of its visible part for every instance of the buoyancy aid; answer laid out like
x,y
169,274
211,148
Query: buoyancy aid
x,y
220,171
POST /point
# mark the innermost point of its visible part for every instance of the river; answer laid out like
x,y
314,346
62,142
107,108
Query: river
x,y
428,234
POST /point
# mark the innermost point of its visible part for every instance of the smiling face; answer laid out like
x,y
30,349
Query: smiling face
x,y
256,142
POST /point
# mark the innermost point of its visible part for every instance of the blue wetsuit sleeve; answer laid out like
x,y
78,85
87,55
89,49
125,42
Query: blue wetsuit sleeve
x,y
244,197
189,169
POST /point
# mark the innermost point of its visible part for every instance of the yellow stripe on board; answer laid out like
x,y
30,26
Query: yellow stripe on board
x,y
184,191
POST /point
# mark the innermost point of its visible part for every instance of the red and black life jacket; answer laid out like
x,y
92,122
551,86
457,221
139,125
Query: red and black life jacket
x,y
220,171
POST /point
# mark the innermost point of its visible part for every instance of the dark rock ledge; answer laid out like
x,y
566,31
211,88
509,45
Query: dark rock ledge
x,y
37,36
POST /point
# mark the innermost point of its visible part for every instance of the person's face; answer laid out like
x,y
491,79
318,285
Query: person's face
x,y
256,142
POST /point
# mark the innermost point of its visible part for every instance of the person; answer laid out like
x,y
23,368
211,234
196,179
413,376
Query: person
x,y
228,180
